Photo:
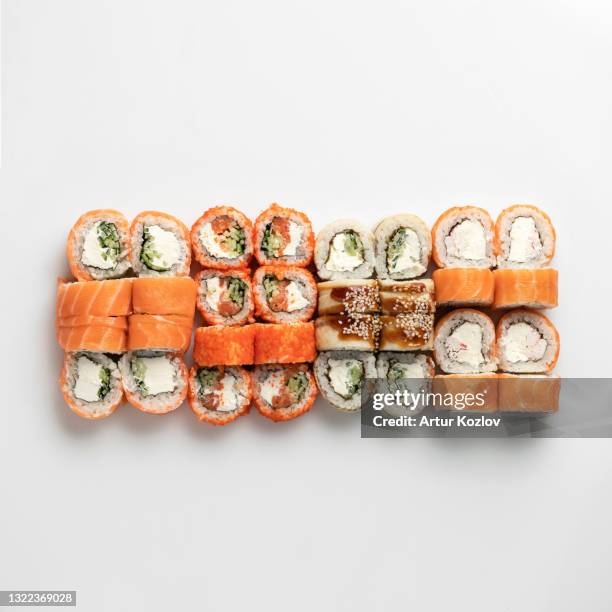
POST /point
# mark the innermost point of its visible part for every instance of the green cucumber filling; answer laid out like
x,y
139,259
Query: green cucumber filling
x,y
270,284
297,385
352,243
105,383
108,237
139,371
236,289
234,240
149,255
355,375
271,242
208,378
395,247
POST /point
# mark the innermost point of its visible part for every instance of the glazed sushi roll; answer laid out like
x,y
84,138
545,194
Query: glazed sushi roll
x,y
529,393
91,384
283,236
165,295
159,245
219,395
462,237
403,247
283,392
170,333
92,333
527,341
525,237
407,331
464,342
284,294
222,238
98,246
284,343
106,298
225,297
154,382
412,296
464,286
358,332
536,288
340,377
353,296
219,345
344,249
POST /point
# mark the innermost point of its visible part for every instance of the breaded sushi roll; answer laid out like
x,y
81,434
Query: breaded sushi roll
x,y
462,237
357,332
222,238
395,367
348,296
98,245
527,342
219,345
159,245
464,286
225,297
165,295
529,393
106,298
154,382
283,392
340,377
284,343
91,384
464,342
284,294
92,333
407,331
535,288
403,247
524,237
283,236
170,333
344,249
219,395
398,297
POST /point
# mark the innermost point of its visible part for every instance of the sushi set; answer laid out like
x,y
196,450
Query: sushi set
x,y
286,316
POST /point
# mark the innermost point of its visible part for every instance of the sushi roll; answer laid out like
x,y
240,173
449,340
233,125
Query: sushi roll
x,y
403,247
91,384
225,297
524,237
483,388
340,377
106,298
462,237
358,332
170,333
92,333
154,382
159,245
464,342
529,393
531,288
283,392
527,342
219,395
98,246
407,331
219,345
284,343
464,286
413,296
344,249
165,295
283,236
355,296
284,294
222,238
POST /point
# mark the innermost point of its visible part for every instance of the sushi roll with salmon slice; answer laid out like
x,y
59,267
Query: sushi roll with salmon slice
x,y
464,286
219,395
222,238
529,393
527,341
536,288
91,384
159,245
284,294
225,297
344,249
283,236
462,237
219,345
482,387
92,333
98,246
283,392
165,295
154,382
403,247
524,237
464,342
106,298
170,333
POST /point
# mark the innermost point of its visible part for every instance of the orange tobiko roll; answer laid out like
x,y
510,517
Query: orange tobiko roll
x,y
285,343
219,345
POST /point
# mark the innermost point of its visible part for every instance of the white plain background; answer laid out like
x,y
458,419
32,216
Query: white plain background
x,y
339,109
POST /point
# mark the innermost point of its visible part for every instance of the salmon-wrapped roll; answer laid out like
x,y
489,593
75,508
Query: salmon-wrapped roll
x,y
167,295
462,237
284,392
284,294
533,393
106,298
98,245
159,245
531,288
283,236
225,297
91,384
92,333
411,296
524,237
348,296
159,333
219,345
154,382
464,286
222,238
284,343
482,387
219,395
528,342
